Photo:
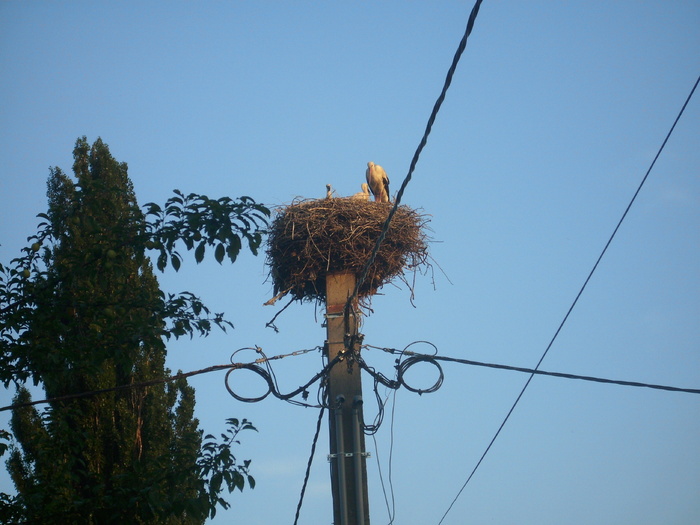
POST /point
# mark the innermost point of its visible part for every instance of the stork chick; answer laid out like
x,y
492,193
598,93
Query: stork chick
x,y
363,195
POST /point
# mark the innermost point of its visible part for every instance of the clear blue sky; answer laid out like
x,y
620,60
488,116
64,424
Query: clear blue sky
x,y
555,113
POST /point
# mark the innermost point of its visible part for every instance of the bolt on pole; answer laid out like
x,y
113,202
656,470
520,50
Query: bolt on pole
x,y
347,441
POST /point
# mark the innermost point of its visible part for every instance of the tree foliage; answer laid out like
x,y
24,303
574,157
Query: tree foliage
x,y
81,310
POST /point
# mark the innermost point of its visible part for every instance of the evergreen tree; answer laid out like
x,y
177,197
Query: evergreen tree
x,y
92,319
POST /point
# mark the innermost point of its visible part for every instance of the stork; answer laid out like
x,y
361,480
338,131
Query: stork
x,y
329,191
362,195
378,182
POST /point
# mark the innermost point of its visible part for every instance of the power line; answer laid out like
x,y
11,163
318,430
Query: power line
x,y
140,384
402,367
269,378
535,371
308,465
416,155
561,325
391,509
417,358
391,460
182,375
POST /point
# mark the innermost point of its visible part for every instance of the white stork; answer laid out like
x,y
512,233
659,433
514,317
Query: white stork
x,y
329,191
362,195
378,182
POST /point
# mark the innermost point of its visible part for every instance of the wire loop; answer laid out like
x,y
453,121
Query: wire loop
x,y
403,367
258,370
268,374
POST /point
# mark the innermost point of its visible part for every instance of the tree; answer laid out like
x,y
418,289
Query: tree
x,y
81,311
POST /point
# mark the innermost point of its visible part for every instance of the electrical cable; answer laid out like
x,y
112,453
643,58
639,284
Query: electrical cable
x,y
140,384
419,358
431,120
394,384
536,371
181,375
561,325
308,465
402,366
391,509
378,377
272,387
391,459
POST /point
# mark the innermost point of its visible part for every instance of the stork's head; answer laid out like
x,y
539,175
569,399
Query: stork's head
x,y
370,165
365,187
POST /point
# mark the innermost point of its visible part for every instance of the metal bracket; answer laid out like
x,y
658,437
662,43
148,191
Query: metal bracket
x,y
348,455
336,311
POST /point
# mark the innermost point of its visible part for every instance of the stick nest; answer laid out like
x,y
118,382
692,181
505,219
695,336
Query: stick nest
x,y
312,238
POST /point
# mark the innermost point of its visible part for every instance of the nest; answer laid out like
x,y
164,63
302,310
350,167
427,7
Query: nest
x,y
313,238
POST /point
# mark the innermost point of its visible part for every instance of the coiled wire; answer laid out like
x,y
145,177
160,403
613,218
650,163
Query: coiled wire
x,y
268,375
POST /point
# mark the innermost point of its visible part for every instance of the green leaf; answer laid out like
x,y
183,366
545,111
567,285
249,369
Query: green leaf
x,y
199,252
219,253
152,209
234,248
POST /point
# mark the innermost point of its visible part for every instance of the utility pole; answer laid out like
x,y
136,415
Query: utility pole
x,y
347,439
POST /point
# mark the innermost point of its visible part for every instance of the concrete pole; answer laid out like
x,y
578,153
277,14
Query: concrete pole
x,y
347,441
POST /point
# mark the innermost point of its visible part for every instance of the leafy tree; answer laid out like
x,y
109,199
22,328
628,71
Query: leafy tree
x,y
81,311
